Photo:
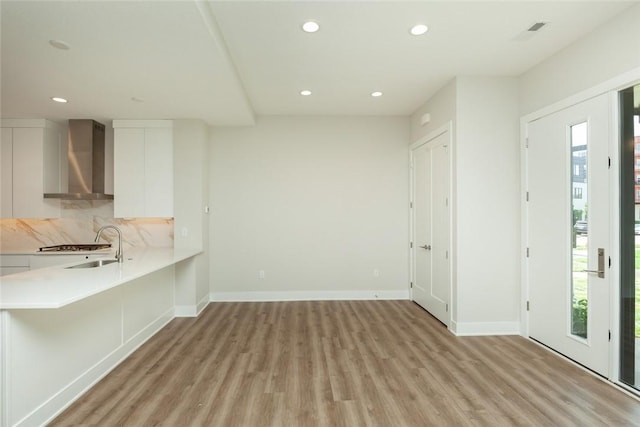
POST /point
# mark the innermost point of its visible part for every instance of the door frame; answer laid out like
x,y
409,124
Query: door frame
x,y
445,128
610,87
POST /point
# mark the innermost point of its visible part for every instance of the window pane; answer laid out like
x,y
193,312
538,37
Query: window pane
x,y
630,238
579,278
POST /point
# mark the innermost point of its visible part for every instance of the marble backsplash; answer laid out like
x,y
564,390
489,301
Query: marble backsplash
x,y
79,223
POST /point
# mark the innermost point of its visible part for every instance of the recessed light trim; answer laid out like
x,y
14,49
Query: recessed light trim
x,y
419,29
310,27
376,94
305,92
58,99
59,44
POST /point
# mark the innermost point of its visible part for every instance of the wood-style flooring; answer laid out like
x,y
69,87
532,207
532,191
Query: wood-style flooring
x,y
342,363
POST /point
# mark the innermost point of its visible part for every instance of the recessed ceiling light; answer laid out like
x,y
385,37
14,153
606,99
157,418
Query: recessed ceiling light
x,y
59,44
58,99
310,27
418,30
376,94
305,92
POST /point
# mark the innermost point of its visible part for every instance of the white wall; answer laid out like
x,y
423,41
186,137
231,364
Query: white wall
x,y
609,51
441,107
316,203
190,159
486,199
191,195
487,205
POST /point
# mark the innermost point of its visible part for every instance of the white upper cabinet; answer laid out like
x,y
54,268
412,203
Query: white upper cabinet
x,y
30,155
128,172
6,173
158,172
143,168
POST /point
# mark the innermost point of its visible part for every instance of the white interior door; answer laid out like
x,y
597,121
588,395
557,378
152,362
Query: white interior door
x,y
568,232
431,277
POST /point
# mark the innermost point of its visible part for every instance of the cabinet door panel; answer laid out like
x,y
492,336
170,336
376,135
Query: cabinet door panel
x,y
27,172
33,159
129,176
159,172
5,271
54,152
6,173
48,260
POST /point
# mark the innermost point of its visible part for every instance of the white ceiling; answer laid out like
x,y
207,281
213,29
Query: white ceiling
x,y
226,61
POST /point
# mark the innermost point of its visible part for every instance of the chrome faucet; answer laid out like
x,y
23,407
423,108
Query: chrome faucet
x,y
119,255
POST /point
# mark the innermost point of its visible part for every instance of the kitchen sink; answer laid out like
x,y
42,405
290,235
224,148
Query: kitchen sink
x,y
94,263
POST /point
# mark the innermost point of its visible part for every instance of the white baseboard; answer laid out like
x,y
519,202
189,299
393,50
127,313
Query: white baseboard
x,y
65,397
308,296
485,328
202,304
185,311
192,310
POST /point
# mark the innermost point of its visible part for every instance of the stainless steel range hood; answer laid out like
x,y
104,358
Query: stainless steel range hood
x,y
85,154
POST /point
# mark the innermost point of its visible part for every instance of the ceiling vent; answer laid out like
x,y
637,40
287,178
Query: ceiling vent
x,y
536,27
531,32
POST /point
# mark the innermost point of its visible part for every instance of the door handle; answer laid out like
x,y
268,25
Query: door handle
x,y
427,247
600,270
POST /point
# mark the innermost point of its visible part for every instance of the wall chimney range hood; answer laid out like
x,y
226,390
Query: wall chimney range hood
x,y
86,157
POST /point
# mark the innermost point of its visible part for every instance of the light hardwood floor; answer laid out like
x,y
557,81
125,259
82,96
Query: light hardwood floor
x,y
342,363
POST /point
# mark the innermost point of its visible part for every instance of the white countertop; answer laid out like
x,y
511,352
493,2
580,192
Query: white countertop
x,y
55,287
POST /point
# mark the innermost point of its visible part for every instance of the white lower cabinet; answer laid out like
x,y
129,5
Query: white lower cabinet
x,y
143,168
56,354
44,261
11,264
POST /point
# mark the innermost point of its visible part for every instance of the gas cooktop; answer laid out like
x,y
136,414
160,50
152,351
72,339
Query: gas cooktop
x,y
75,247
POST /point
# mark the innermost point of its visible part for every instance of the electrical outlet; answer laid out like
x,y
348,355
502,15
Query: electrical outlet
x,y
261,274
376,273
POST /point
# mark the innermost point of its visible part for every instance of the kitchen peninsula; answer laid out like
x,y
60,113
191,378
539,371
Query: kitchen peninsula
x,y
63,329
